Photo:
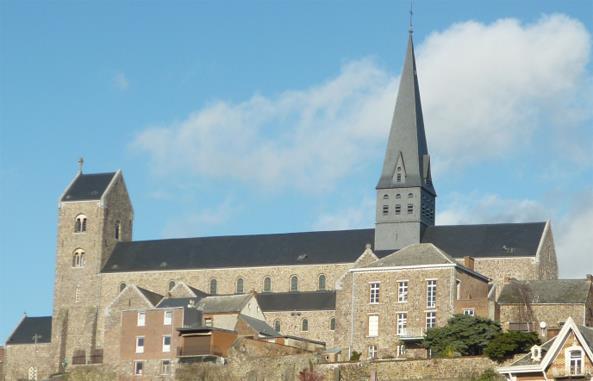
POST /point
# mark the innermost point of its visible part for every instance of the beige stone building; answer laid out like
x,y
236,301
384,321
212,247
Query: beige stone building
x,y
313,285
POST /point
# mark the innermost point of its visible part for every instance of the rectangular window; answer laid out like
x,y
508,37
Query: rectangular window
x,y
431,319
167,343
431,293
398,209
402,291
166,367
410,208
576,363
141,319
139,344
372,352
168,317
138,368
385,210
401,350
469,311
373,325
402,323
374,295
208,322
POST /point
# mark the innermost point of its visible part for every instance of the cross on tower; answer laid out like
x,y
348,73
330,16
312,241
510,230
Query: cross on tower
x,y
80,164
411,29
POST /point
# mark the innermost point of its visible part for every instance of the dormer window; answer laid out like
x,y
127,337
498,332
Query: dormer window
x,y
78,259
80,224
574,359
536,353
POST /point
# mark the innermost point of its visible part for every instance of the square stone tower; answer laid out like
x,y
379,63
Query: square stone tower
x,y
95,213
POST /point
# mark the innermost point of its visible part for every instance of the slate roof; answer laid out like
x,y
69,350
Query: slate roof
x,y
414,255
88,187
258,325
487,240
223,303
192,317
297,301
153,297
29,327
562,291
325,247
587,333
526,360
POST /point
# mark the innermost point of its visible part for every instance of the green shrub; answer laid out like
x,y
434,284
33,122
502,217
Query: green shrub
x,y
508,344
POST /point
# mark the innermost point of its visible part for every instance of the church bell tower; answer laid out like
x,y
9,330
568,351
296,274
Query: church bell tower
x,y
405,193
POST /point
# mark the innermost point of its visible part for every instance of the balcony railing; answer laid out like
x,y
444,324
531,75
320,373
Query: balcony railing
x,y
411,333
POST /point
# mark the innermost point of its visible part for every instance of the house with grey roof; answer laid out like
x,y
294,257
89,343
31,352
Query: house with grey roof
x,y
544,305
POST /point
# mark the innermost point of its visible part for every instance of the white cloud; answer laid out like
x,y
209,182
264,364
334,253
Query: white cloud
x,y
194,224
354,217
495,83
120,81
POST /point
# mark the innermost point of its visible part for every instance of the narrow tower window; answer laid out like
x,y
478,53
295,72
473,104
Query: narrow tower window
x,y
78,260
213,286
117,232
80,224
385,210
398,209
410,208
171,284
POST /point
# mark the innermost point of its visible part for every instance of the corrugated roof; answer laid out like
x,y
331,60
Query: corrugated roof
x,y
414,255
88,187
29,328
297,301
562,291
342,246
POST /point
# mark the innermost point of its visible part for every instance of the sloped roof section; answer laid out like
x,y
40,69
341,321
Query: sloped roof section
x,y
343,246
258,325
297,301
88,187
152,297
415,255
561,291
486,240
223,303
31,327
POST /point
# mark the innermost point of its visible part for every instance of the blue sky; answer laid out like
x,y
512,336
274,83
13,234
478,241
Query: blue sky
x,y
259,117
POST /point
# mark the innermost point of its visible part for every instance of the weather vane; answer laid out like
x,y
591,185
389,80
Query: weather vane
x,y
411,30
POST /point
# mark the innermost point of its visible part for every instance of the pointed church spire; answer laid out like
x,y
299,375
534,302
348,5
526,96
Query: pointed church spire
x,y
407,163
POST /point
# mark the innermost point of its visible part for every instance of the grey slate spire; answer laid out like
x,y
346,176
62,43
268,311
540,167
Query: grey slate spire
x,y
407,148
405,194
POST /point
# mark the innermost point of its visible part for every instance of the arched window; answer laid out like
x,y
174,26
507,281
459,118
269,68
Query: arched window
x,y
122,286
213,286
410,195
294,283
277,325
239,286
332,324
321,283
398,196
78,259
171,284
305,325
385,197
267,284
117,232
80,224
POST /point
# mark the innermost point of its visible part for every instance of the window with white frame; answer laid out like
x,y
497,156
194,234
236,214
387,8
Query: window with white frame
x,y
138,368
139,344
431,293
168,317
574,355
402,323
373,325
458,289
372,352
401,350
167,343
402,291
374,292
32,374
469,311
208,322
165,367
431,319
78,259
141,319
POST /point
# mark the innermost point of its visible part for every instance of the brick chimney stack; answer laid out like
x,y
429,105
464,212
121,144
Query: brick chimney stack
x,y
468,262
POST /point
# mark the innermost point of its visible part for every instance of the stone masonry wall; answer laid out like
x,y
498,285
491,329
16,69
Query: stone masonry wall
x,y
524,268
546,260
20,358
552,314
291,324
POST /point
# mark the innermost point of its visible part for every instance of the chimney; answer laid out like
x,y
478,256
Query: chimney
x,y
589,277
468,262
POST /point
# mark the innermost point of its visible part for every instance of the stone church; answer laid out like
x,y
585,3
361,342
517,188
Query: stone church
x,y
371,290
